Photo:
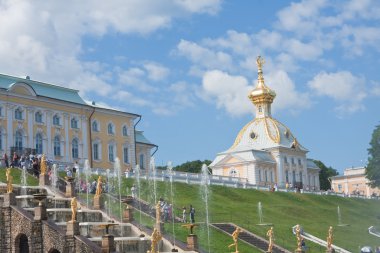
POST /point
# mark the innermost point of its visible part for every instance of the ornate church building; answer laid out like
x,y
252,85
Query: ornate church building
x,y
265,152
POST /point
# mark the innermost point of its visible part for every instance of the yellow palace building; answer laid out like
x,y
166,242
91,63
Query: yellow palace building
x,y
41,118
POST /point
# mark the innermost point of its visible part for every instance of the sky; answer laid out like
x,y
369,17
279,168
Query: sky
x,y
187,66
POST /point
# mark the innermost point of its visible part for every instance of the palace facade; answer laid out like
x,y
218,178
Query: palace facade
x,y
41,118
266,152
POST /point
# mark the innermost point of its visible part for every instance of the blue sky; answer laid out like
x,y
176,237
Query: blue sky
x,y
187,66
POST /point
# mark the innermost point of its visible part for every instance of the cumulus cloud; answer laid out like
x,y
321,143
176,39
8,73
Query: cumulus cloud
x,y
156,71
348,90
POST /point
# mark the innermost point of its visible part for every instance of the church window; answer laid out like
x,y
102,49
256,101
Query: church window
x,y
95,126
293,161
285,160
125,131
299,162
56,120
18,114
38,117
75,148
39,143
57,146
74,123
287,133
253,135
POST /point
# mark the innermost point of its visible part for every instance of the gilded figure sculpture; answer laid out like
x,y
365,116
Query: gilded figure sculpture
x,y
235,236
158,213
299,238
330,239
43,165
74,206
155,238
99,187
9,180
270,235
260,62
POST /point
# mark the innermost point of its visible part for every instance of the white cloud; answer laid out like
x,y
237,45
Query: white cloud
x,y
345,88
156,71
135,78
202,6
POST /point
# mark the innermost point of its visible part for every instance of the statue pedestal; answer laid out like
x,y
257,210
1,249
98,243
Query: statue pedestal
x,y
70,189
192,242
9,199
128,214
108,245
40,212
72,228
97,204
44,180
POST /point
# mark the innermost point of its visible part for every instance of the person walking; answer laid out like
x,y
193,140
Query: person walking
x,y
192,214
6,162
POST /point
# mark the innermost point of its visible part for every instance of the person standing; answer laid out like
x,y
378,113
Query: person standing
x,y
192,214
184,214
5,157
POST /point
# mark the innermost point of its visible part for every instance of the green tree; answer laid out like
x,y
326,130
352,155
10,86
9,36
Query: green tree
x,y
192,166
373,167
325,174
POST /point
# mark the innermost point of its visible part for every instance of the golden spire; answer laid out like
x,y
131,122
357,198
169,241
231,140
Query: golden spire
x,y
260,62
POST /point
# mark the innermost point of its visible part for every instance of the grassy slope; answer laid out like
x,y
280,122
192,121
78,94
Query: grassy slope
x,y
16,174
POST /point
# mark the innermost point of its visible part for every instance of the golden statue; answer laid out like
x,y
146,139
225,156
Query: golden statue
x,y
43,165
270,235
74,206
260,62
156,237
9,180
235,236
330,239
191,227
299,238
99,187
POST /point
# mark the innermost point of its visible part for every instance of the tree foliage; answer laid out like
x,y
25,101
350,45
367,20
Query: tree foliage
x,y
373,167
191,166
325,174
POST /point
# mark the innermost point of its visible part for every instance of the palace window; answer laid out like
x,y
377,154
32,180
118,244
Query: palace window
x,y
299,162
39,143
260,108
141,161
38,117
95,126
271,176
285,160
125,155
287,176
125,131
18,140
57,146
293,161
1,111
110,128
75,148
95,151
266,176
56,120
74,123
111,154
18,114
294,176
1,139
259,175
301,177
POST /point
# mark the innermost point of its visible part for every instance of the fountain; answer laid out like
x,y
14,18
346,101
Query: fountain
x,y
137,176
118,177
87,174
205,196
170,172
261,217
152,181
340,224
109,189
24,185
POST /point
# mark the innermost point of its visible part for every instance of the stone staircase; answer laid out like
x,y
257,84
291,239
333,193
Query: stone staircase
x,y
248,237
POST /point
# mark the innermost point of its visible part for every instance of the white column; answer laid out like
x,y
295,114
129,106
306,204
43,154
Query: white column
x,y
9,128
49,151
67,145
84,137
30,126
280,170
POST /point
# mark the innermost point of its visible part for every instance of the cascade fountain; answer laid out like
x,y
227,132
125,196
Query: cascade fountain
x,y
137,177
118,177
152,182
87,175
205,193
24,185
109,189
340,224
261,216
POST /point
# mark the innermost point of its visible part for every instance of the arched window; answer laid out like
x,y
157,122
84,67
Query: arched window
x,y
74,148
18,114
141,161
57,146
38,117
95,151
18,140
95,126
74,123
110,128
56,120
22,244
125,154
125,131
111,154
39,143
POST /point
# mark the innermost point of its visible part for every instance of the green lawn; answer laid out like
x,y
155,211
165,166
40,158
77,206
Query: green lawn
x,y
16,174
